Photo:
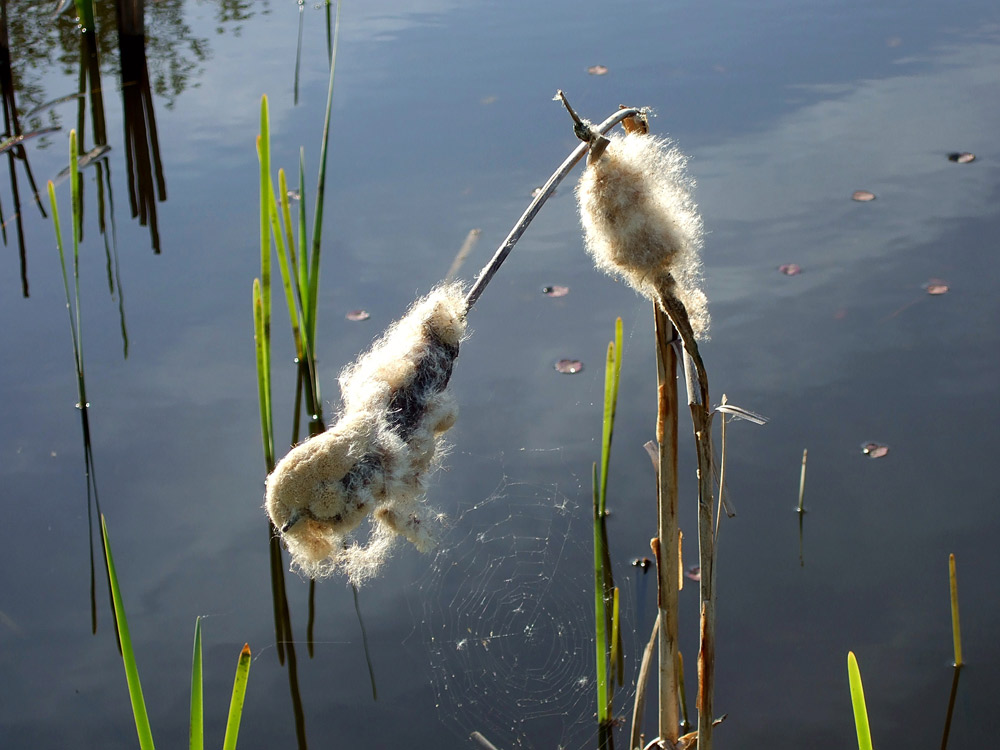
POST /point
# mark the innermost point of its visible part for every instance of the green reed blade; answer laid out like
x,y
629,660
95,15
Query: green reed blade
x,y
263,380
858,702
236,702
283,267
303,260
62,263
956,630
286,220
196,733
600,609
85,12
320,188
612,376
617,659
142,727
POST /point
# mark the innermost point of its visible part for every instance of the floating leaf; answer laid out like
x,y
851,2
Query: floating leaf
x,y
863,195
936,286
874,450
598,70
555,291
790,269
694,572
961,157
358,315
569,366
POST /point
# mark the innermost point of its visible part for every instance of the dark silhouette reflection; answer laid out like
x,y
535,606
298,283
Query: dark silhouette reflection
x,y
283,633
951,707
146,184
91,91
15,152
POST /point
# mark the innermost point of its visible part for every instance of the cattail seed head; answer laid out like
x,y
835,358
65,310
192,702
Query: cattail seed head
x,y
641,223
375,460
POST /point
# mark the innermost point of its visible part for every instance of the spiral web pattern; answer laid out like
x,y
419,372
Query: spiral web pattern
x,y
507,619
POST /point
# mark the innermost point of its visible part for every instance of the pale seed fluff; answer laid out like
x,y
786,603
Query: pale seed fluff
x,y
375,460
641,223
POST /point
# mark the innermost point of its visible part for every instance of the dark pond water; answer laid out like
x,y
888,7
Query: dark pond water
x,y
443,122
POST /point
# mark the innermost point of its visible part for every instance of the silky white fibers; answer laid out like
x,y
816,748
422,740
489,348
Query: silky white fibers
x,y
641,223
376,458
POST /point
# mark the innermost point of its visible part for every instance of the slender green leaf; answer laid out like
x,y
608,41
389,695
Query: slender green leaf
x,y
263,386
858,701
612,377
197,729
617,658
303,260
262,288
956,630
236,702
600,613
321,186
85,14
142,727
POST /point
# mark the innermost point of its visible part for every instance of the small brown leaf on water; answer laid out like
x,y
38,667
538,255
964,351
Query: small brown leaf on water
x,y
874,450
936,286
790,269
555,291
961,157
358,315
597,70
569,366
863,195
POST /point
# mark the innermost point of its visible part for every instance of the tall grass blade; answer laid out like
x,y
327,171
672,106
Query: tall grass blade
x,y
605,593
85,12
262,288
263,389
142,727
802,482
612,376
956,630
236,701
600,615
858,702
617,659
321,188
196,732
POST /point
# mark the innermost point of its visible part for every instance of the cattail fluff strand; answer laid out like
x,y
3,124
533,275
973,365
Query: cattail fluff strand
x,y
376,458
641,223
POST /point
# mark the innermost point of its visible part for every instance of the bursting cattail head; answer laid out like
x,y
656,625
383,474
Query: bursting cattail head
x,y
375,460
641,223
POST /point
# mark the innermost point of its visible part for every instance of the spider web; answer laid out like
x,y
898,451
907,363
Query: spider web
x,y
508,620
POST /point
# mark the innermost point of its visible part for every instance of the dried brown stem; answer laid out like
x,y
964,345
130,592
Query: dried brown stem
x,y
668,567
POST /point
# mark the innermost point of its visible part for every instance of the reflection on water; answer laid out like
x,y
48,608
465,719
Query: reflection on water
x,y
787,110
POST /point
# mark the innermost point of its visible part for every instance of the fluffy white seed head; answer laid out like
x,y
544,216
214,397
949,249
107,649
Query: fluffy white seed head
x,y
375,460
641,223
